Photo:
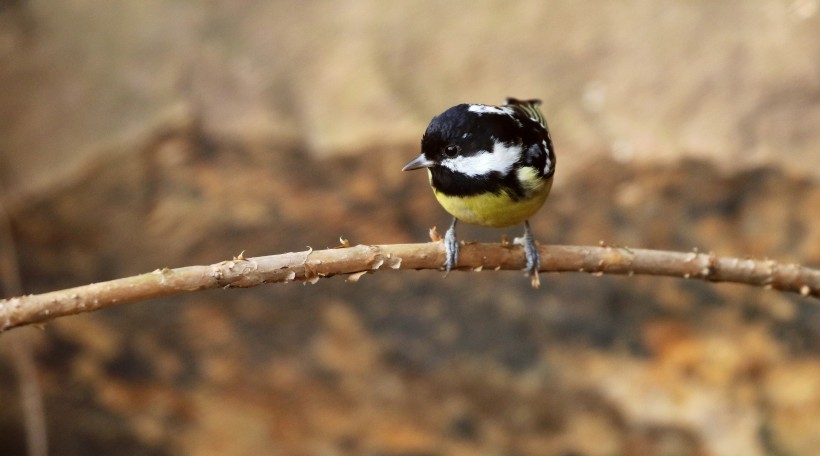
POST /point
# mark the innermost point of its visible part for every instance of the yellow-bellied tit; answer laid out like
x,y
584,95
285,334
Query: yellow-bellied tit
x,y
490,166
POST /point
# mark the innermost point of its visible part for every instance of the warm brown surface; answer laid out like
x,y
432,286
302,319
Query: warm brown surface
x,y
170,133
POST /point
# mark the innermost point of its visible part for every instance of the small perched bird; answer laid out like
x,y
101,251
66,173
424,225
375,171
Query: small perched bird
x,y
489,166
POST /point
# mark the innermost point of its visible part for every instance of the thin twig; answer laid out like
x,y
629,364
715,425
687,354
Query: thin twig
x,y
312,265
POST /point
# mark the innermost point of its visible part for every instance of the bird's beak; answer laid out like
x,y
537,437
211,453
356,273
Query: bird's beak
x,y
419,162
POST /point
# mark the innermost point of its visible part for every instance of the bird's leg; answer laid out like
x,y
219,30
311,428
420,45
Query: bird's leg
x,y
533,257
451,247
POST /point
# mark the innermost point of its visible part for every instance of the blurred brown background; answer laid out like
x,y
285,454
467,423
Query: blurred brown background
x,y
137,135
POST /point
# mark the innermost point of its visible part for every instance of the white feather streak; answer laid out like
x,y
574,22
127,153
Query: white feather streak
x,y
487,109
501,160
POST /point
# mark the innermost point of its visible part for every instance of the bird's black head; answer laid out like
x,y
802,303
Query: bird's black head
x,y
471,149
466,130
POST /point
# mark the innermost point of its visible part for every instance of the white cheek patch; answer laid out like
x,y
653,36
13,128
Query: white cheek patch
x,y
500,160
486,109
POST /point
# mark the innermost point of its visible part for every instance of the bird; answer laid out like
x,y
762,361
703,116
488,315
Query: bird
x,y
490,166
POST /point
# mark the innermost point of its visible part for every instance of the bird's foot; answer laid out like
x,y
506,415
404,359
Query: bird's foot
x,y
451,248
533,256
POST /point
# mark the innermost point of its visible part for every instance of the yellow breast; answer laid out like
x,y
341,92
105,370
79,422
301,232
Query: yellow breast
x,y
497,210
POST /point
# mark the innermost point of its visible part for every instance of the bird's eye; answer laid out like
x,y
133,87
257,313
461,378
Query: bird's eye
x,y
451,150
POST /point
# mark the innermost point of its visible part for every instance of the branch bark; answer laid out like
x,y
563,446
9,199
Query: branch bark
x,y
313,265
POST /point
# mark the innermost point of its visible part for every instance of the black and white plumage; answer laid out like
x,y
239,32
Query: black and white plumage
x,y
490,166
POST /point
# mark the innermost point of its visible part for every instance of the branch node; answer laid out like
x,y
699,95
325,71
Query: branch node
x,y
393,262
377,262
710,269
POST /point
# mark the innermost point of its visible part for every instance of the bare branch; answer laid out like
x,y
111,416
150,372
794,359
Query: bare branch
x,y
313,265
